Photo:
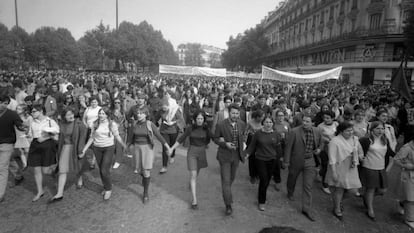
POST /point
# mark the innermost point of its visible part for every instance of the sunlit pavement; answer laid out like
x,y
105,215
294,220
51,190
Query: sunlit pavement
x,y
169,207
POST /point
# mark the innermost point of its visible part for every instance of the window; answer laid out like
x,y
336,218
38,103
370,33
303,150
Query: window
x,y
341,28
375,21
342,8
331,14
322,16
354,4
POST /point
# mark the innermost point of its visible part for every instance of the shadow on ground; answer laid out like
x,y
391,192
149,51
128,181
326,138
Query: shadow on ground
x,y
276,229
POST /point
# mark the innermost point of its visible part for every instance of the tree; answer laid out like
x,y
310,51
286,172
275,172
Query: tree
x,y
94,45
193,55
244,51
7,47
55,48
214,60
409,33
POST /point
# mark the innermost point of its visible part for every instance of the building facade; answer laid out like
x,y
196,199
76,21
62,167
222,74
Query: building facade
x,y
365,37
211,55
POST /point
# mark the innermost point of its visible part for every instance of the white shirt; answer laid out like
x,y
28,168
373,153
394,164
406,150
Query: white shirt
x,y
38,128
90,116
103,136
375,158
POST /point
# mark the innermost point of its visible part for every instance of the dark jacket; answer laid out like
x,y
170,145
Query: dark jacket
x,y
78,138
366,143
224,130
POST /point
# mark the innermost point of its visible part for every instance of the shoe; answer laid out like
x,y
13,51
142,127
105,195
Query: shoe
x,y
145,199
37,197
79,183
277,188
163,170
129,156
371,216
358,194
229,210
91,167
107,195
172,160
116,165
290,197
326,190
194,206
55,199
262,207
400,208
410,224
252,180
309,215
339,216
136,171
18,181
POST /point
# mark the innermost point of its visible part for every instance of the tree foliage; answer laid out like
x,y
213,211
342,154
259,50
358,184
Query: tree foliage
x,y
409,33
245,49
99,48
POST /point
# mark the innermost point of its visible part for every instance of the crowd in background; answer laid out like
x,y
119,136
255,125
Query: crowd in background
x,y
352,135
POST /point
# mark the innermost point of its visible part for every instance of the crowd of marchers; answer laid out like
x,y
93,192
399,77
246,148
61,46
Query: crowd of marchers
x,y
347,136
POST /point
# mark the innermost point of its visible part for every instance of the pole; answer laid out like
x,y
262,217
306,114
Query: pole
x,y
116,15
15,9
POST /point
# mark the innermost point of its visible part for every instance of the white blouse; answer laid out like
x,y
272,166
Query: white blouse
x,y
42,128
103,136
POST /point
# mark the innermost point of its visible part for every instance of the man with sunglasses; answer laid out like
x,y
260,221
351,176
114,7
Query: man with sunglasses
x,y
8,121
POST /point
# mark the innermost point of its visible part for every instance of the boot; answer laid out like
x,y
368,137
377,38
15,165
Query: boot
x,y
145,183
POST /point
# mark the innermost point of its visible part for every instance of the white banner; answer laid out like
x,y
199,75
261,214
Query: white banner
x,y
272,74
192,70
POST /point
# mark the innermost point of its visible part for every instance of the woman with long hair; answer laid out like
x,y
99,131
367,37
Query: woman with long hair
x,y
172,123
265,145
344,152
71,142
104,132
373,174
43,148
200,136
383,116
141,136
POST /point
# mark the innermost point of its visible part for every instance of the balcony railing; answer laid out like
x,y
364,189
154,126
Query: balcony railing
x,y
360,33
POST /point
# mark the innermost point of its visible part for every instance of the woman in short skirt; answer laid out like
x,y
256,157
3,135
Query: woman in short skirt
x,y
199,134
373,173
42,151
141,135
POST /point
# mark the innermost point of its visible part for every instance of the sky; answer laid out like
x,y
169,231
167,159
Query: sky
x,y
209,22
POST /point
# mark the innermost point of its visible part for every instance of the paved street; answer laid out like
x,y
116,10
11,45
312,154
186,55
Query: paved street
x,y
169,207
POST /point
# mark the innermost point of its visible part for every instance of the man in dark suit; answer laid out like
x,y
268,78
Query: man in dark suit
x,y
230,137
302,144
